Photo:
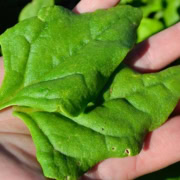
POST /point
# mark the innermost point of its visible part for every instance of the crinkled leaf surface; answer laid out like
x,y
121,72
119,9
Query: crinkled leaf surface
x,y
155,94
133,105
60,61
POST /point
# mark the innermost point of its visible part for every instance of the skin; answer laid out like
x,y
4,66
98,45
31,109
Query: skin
x,y
161,147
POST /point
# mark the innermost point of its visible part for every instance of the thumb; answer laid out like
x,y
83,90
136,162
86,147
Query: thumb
x,y
161,148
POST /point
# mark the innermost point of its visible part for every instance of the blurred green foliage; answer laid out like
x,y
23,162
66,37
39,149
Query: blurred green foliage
x,y
158,15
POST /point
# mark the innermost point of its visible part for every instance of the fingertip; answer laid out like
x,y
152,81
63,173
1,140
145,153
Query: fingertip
x,y
156,52
115,168
92,5
140,58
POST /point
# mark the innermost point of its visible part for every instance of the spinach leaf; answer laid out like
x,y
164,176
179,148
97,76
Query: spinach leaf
x,y
133,105
149,27
60,61
32,9
152,6
171,14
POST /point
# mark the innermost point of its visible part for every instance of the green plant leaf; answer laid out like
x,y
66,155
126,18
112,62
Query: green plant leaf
x,y
155,94
152,7
133,105
149,27
60,61
157,15
171,14
32,9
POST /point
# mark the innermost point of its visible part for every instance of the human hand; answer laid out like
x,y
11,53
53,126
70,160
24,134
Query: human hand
x,y
17,152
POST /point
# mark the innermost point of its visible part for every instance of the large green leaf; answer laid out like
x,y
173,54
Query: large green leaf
x,y
133,105
60,61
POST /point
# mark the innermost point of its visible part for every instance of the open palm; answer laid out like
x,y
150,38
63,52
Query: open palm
x,y
161,147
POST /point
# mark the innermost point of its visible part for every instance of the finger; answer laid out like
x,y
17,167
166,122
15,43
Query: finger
x,y
161,149
8,123
11,124
158,51
92,5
